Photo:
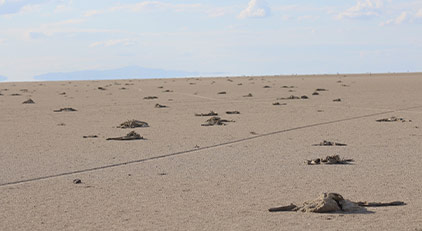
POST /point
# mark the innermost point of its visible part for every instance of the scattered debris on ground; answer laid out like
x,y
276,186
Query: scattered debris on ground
x,y
151,97
211,113
294,97
333,202
288,87
216,121
329,143
393,119
336,100
29,101
232,112
335,159
66,109
15,94
134,124
130,136
160,106
278,104
290,97
90,136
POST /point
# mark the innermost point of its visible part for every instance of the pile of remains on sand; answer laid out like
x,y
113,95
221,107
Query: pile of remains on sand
x,y
215,120
333,202
133,124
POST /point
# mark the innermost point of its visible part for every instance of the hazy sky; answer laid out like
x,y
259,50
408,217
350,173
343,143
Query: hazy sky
x,y
237,37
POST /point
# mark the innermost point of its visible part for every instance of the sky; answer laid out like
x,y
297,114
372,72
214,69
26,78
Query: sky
x,y
230,37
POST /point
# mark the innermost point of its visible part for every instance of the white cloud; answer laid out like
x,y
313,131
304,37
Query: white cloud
x,y
403,17
419,14
114,42
144,6
19,6
64,7
256,9
363,9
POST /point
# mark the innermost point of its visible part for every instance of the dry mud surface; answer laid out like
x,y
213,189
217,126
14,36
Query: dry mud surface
x,y
184,176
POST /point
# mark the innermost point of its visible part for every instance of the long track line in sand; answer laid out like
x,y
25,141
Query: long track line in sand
x,y
203,148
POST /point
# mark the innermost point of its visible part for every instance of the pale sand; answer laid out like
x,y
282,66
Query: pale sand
x,y
218,186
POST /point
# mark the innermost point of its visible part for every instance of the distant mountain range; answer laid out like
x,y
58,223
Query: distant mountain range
x,y
3,78
131,72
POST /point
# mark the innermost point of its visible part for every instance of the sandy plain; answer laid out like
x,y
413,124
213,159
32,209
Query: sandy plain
x,y
185,176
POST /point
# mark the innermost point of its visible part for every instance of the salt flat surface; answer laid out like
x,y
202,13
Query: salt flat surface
x,y
185,176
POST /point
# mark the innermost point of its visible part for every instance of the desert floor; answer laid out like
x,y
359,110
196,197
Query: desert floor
x,y
185,176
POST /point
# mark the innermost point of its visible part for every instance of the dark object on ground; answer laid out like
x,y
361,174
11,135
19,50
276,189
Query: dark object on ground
x,y
90,136
29,101
267,87
336,100
290,97
304,97
333,202
380,204
101,88
211,113
278,104
77,181
151,97
222,93
68,109
160,106
248,95
134,124
335,159
216,121
392,119
315,93
320,89
15,94
130,136
232,112
329,143
167,91
288,87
